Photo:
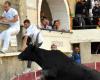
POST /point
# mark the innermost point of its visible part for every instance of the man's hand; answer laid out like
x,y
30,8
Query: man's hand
x,y
1,18
23,48
5,20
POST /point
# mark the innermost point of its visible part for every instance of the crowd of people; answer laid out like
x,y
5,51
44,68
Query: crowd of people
x,y
46,24
11,16
83,14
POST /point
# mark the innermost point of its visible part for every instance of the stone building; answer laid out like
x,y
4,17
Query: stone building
x,y
53,9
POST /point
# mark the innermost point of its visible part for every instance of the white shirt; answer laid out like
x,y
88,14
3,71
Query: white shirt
x,y
47,27
32,31
10,15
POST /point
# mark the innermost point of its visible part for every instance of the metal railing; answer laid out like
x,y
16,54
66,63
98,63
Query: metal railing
x,y
88,23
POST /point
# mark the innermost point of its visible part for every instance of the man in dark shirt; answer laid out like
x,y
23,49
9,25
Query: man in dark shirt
x,y
96,13
79,12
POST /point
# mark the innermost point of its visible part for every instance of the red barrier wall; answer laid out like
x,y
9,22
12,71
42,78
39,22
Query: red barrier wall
x,y
95,65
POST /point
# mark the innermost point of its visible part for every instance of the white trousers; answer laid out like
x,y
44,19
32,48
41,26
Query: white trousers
x,y
6,36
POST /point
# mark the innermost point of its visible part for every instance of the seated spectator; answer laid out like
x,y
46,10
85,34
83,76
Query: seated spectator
x,y
98,26
53,47
10,16
76,55
57,25
45,23
32,32
96,13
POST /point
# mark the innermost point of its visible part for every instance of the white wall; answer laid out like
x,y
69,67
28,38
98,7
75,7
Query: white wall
x,y
62,40
89,35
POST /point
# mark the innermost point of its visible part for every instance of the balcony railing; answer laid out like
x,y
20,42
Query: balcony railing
x,y
85,22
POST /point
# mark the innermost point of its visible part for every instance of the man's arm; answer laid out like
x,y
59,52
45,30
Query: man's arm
x,y
11,20
15,19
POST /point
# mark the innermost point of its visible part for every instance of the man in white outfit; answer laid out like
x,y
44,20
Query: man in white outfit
x,y
35,37
10,16
33,33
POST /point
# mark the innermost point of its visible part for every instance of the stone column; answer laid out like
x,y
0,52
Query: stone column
x,y
22,10
31,6
85,50
72,4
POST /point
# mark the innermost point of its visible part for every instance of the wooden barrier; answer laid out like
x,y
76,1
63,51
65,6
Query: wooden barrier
x,y
95,65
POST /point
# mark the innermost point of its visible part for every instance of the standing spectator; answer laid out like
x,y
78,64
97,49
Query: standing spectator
x,y
10,16
86,12
45,23
36,39
96,13
79,12
76,55
85,8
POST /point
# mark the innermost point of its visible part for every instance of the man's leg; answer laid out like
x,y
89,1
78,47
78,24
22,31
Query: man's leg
x,y
2,35
7,37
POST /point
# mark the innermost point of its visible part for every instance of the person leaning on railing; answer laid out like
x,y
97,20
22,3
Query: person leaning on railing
x,y
10,16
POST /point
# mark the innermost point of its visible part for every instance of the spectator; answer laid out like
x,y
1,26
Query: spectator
x,y
56,25
33,33
85,8
10,16
98,26
79,12
76,55
96,13
53,47
86,12
35,39
45,24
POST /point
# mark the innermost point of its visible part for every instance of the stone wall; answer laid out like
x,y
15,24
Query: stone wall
x,y
10,66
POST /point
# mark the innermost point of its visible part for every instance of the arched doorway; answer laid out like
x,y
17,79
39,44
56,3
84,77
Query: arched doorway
x,y
45,10
57,10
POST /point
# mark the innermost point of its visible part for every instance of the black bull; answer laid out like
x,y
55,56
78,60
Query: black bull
x,y
58,65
